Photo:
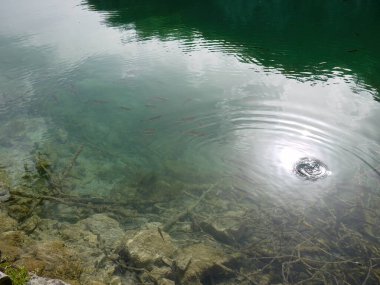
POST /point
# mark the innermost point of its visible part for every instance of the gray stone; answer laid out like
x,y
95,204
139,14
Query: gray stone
x,y
36,280
116,281
5,279
148,246
164,281
158,273
105,228
227,228
95,236
198,260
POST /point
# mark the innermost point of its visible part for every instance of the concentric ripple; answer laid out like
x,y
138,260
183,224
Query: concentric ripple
x,y
278,144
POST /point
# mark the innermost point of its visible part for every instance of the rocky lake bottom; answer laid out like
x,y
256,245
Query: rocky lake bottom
x,y
209,232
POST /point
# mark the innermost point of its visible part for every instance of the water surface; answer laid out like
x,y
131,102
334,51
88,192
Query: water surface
x,y
192,92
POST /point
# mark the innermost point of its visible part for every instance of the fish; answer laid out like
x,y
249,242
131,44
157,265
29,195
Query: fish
x,y
96,101
196,133
352,50
186,119
160,232
149,132
125,108
188,100
160,98
154,118
72,89
55,97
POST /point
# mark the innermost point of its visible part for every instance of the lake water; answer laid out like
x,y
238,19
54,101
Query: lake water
x,y
143,99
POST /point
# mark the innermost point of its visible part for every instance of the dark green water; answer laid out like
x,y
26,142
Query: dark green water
x,y
192,92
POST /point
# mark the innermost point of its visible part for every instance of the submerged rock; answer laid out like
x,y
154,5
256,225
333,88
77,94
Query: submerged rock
x,y
53,259
160,261
15,238
18,212
30,224
164,281
105,228
11,243
36,280
228,228
7,223
92,240
4,192
199,261
146,247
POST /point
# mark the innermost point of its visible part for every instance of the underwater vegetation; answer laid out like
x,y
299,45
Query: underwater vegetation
x,y
18,275
207,233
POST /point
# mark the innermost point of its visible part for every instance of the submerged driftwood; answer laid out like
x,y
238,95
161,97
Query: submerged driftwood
x,y
248,237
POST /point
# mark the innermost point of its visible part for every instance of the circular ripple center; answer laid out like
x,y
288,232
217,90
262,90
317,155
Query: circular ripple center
x,y
309,168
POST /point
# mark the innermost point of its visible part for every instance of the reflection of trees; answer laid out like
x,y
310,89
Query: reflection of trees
x,y
294,36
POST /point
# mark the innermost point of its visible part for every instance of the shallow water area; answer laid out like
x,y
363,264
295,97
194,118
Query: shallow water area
x,y
241,148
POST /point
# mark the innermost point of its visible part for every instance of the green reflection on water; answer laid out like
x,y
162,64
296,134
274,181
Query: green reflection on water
x,y
303,39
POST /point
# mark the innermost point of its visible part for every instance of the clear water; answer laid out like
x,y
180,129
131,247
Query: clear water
x,y
231,93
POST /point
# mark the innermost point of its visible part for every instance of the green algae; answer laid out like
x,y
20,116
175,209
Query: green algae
x,y
18,275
